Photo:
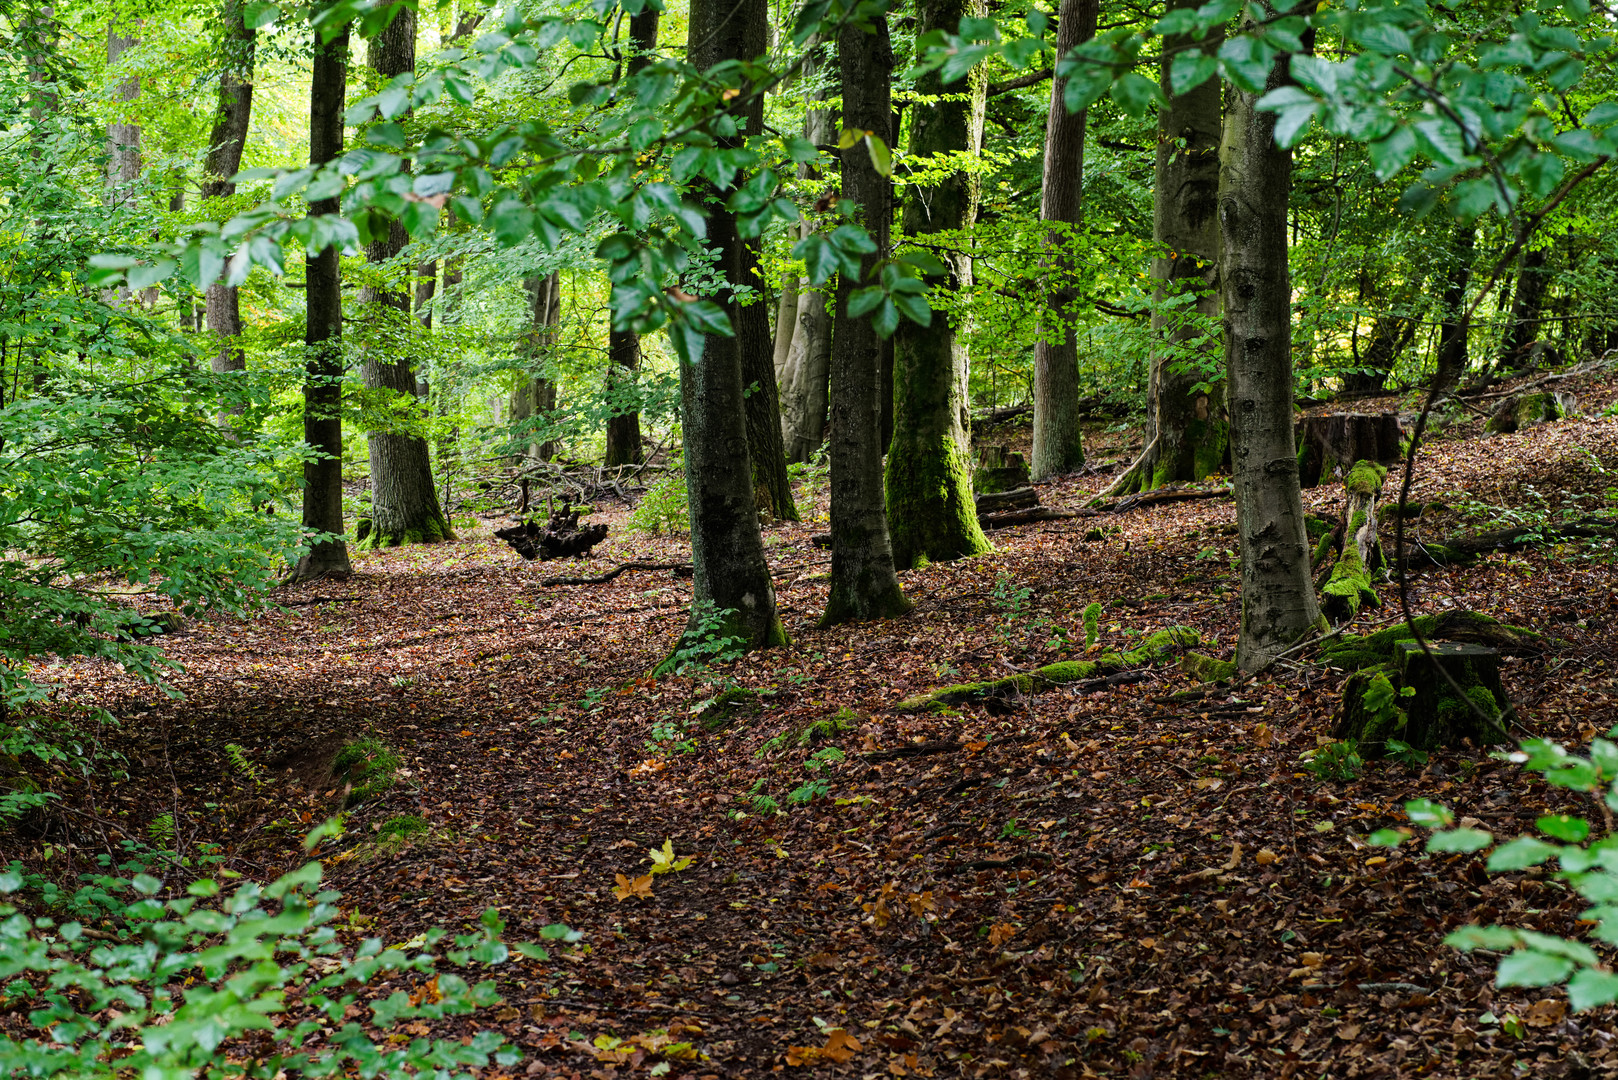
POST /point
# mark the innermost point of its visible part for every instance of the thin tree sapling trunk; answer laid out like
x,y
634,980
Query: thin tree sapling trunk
x,y
323,334
863,582
931,514
1255,179
232,118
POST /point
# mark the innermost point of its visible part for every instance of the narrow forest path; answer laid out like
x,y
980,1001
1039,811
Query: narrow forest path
x,y
1110,883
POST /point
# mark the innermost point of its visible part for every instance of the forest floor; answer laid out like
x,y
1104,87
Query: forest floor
x,y
1109,883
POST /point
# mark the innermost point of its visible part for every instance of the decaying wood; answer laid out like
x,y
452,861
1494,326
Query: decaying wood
x,y
1329,443
995,501
1023,517
1164,495
561,537
602,579
1461,549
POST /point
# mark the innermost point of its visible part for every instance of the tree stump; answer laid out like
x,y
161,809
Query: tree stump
x,y
1526,410
1328,445
1415,704
1349,587
561,537
1000,468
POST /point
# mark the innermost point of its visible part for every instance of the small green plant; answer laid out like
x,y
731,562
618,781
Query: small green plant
x,y
1013,831
1583,853
402,827
1406,755
1336,761
1092,621
809,792
1019,620
825,756
663,507
367,766
244,765
161,830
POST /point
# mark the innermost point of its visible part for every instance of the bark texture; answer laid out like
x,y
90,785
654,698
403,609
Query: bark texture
x,y
731,581
803,342
535,395
123,134
1186,429
1452,332
1255,178
1525,308
623,346
232,118
404,502
863,582
323,334
931,514
1057,447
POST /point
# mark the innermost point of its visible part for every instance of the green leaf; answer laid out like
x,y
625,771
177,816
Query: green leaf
x,y
1190,70
10,881
1591,988
1527,967
1428,813
1461,840
532,951
1521,853
819,257
865,301
148,274
1136,94
561,932
1393,152
881,156
1572,830
1388,837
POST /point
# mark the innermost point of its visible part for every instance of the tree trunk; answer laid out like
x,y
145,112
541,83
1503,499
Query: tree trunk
x,y
224,160
123,134
404,501
323,383
623,346
426,289
1531,279
1452,332
1057,447
772,488
805,377
1350,584
733,594
863,582
535,395
1186,428
929,477
1278,597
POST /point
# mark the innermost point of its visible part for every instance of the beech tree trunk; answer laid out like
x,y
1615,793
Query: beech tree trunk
x,y
733,593
535,395
1452,332
623,346
1057,447
1255,178
123,134
803,345
1186,435
404,501
1525,308
223,161
931,514
863,582
323,334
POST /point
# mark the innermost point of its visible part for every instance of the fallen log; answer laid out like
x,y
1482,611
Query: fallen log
x,y
1159,646
1459,550
1023,517
1017,499
1158,496
602,579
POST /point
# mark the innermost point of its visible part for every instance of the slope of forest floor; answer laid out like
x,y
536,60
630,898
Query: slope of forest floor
x,y
1101,883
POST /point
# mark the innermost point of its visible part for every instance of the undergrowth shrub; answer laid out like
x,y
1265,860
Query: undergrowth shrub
x,y
663,507
367,766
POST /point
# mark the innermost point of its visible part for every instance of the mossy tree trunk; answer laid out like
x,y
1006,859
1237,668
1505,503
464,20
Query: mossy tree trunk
x,y
404,501
730,574
1349,587
929,479
1057,447
1186,434
323,334
1255,178
863,582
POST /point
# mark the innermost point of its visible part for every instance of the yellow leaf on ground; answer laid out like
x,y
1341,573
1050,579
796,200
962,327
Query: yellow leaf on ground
x,y
641,886
1001,933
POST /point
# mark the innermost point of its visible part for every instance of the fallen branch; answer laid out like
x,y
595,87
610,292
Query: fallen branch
x,y
1023,517
320,600
1158,496
919,750
602,579
991,502
1465,549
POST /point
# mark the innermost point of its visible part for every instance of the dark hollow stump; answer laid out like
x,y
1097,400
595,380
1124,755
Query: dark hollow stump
x,y
1000,468
1329,445
1423,709
561,537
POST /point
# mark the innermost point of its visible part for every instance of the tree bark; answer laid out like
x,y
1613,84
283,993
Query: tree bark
x,y
1185,427
535,395
931,514
123,134
863,582
404,501
323,382
805,377
623,346
1452,332
733,593
226,142
1525,308
1057,447
1255,177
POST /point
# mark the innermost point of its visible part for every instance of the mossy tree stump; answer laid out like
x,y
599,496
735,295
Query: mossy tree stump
x,y
1329,444
1000,468
1412,701
1526,410
1349,587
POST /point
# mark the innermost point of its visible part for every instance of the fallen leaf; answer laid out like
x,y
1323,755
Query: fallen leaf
x,y
1001,933
641,886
